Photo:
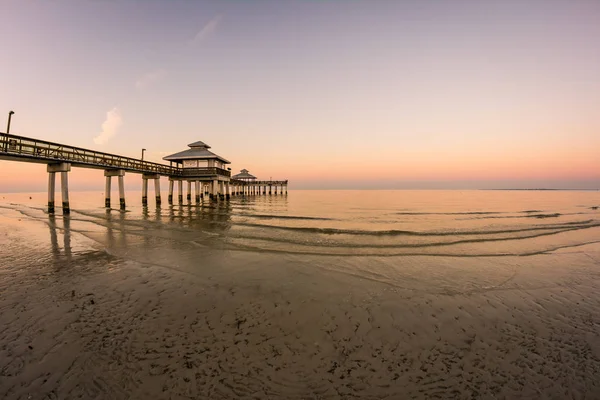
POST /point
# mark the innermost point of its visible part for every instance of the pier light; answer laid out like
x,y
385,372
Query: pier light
x,y
143,150
10,114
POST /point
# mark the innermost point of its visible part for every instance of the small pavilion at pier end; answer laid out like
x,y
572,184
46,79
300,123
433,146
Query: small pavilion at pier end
x,y
206,169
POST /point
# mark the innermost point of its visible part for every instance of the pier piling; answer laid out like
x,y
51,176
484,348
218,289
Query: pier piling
x,y
122,191
64,169
157,189
51,188
119,173
144,191
107,192
64,188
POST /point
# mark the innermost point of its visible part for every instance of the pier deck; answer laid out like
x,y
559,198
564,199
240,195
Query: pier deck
x,y
214,181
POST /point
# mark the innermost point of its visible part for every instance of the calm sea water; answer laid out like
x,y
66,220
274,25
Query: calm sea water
x,y
317,294
349,223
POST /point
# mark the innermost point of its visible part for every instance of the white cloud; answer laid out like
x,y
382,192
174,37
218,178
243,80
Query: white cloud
x,y
110,126
207,29
150,78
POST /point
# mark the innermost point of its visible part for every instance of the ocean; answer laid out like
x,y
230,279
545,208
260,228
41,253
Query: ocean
x,y
309,295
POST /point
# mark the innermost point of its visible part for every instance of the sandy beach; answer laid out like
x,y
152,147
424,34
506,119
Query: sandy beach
x,y
79,319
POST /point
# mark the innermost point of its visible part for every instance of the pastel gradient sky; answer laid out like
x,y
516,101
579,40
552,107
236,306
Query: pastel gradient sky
x,y
328,94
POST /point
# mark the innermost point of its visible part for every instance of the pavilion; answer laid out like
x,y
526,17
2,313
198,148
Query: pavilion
x,y
200,165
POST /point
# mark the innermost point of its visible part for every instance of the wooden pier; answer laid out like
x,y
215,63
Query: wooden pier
x,y
197,165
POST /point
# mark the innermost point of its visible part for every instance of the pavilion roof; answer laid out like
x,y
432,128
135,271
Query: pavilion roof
x,y
197,151
244,174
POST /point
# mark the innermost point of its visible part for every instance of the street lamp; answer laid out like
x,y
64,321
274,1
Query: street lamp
x,y
10,113
143,150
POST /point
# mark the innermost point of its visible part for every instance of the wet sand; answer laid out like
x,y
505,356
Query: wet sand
x,y
78,321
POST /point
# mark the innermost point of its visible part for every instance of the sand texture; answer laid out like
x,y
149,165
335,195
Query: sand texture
x,y
113,313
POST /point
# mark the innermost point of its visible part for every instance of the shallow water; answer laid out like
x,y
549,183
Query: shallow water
x,y
317,294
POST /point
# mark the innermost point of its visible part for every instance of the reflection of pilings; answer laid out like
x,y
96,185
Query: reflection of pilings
x,y
53,236
66,237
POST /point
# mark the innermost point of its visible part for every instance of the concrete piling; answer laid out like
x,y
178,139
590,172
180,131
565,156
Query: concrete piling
x,y
144,191
64,169
64,188
122,191
157,190
107,192
51,189
170,199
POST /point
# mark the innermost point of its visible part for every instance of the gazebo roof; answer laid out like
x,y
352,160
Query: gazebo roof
x,y
199,144
244,175
197,151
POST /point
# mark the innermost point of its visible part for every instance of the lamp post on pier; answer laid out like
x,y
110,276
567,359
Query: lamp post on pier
x,y
143,150
10,114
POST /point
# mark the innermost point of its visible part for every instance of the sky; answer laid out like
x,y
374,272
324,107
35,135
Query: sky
x,y
336,94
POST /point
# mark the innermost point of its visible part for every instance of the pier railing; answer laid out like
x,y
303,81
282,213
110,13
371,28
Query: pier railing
x,y
40,150
259,183
207,171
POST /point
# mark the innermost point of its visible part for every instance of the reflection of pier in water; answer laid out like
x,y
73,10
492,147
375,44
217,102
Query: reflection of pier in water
x,y
197,165
65,231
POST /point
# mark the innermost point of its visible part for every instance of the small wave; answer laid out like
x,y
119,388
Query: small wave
x,y
394,232
269,216
540,216
399,245
451,213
